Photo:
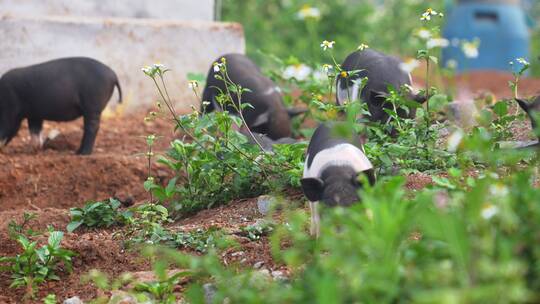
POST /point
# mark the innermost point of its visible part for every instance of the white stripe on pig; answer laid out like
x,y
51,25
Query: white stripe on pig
x,y
340,155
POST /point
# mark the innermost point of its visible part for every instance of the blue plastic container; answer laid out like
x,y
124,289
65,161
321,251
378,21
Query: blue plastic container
x,y
501,28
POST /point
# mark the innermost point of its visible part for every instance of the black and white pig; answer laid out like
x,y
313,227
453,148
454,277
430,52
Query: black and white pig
x,y
382,71
331,170
58,90
533,111
268,115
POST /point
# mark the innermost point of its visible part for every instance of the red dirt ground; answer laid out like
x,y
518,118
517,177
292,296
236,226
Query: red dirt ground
x,y
49,182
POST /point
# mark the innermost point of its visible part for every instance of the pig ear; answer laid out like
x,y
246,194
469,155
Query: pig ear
x,y
523,104
295,111
313,188
261,119
420,98
370,175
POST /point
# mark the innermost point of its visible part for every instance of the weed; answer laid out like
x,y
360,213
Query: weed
x,y
36,265
15,229
213,162
256,231
98,215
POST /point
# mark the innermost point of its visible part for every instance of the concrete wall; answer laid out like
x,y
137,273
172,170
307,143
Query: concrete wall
x,y
126,45
158,9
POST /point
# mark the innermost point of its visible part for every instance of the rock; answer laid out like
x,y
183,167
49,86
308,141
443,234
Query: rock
x,y
279,275
209,293
258,265
265,203
122,297
238,253
73,300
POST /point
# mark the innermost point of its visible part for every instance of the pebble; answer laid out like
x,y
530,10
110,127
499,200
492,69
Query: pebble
x,y
209,293
278,275
73,300
258,265
265,203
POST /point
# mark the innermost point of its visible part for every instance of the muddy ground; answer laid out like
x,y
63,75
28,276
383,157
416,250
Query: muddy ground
x,y
49,182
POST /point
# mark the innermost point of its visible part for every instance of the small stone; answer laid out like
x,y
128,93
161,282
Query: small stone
x,y
265,203
258,265
238,253
209,293
278,275
73,300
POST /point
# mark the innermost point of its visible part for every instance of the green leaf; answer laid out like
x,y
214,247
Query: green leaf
x,y
74,225
55,238
500,108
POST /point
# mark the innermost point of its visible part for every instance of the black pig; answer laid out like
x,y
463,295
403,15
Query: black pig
x,y
58,90
268,114
382,71
333,165
533,110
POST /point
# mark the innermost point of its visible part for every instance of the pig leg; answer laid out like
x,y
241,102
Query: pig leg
x,y
315,219
35,126
91,127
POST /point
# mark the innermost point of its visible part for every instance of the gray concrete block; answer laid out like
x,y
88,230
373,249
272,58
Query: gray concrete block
x,y
159,9
126,45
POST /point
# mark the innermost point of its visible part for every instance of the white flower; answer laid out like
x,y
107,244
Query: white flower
x,y
298,71
523,61
426,16
307,12
437,42
409,65
327,68
424,34
451,64
156,68
454,140
327,44
489,211
217,67
470,48
193,84
363,46
498,190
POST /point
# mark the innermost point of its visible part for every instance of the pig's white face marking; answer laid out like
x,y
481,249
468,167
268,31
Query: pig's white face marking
x,y
344,94
339,155
271,91
36,140
261,119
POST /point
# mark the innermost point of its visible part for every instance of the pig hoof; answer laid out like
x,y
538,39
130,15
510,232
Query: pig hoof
x,y
84,152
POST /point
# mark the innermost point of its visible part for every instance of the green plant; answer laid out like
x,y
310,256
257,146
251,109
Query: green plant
x,y
213,162
163,289
36,265
298,25
200,240
98,215
50,299
145,226
15,229
256,231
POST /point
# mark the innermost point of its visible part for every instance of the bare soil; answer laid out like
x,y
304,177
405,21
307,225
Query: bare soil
x,y
51,181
